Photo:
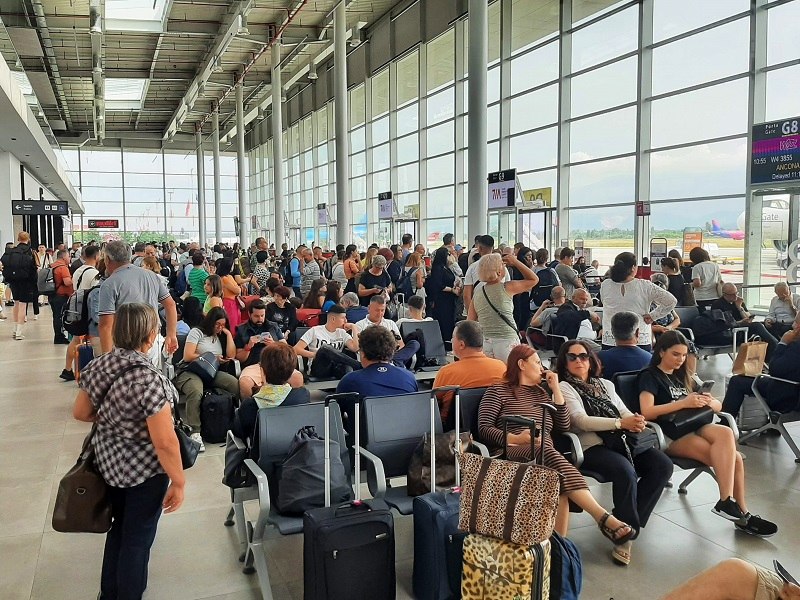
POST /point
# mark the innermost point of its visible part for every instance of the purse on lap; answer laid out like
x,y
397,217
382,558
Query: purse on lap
x,y
686,420
205,367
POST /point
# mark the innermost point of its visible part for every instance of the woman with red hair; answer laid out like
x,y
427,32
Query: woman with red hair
x,y
526,387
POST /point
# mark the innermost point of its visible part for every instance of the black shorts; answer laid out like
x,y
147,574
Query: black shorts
x,y
24,291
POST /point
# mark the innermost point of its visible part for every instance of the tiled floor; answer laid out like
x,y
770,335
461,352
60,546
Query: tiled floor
x,y
195,556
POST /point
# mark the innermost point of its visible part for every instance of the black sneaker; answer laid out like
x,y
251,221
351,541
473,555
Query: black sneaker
x,y
61,340
728,509
67,375
755,525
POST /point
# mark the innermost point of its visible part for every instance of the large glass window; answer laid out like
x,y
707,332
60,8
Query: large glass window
x,y
605,39
535,109
673,17
783,42
534,150
781,97
380,93
603,182
408,78
606,87
534,68
441,60
603,135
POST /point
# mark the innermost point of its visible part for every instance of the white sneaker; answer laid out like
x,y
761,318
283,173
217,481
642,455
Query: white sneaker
x,y
18,336
35,318
3,317
198,438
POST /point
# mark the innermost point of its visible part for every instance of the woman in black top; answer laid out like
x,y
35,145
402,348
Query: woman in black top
x,y
664,388
281,311
676,285
374,281
441,291
522,301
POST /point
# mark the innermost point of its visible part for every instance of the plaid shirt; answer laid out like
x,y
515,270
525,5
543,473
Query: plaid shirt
x,y
124,452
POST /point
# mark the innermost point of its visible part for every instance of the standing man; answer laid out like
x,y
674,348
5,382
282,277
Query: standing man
x,y
125,284
407,241
63,281
296,270
311,272
484,245
138,253
566,274
260,245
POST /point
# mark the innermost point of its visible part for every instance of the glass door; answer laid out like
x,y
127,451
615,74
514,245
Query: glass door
x,y
532,229
768,256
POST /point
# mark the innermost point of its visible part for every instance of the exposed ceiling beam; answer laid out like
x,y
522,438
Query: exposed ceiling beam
x,y
96,28
153,62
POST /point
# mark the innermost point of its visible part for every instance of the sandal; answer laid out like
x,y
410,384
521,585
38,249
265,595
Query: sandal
x,y
611,534
621,556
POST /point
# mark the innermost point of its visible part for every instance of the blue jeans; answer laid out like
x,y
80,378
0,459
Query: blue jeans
x,y
135,511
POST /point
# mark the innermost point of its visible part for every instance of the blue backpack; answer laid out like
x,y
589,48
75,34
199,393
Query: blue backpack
x,y
566,570
180,282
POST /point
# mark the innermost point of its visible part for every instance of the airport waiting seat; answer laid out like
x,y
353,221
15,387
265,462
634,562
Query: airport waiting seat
x,y
772,419
688,314
275,431
469,405
628,390
434,344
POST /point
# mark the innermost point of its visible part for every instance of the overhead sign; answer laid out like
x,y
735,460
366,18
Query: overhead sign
x,y
537,198
385,205
27,207
103,223
502,188
642,208
322,214
775,154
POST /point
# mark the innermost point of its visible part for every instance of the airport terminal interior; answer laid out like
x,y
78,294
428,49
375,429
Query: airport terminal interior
x,y
604,126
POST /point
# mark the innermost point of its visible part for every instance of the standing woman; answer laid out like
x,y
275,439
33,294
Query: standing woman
x,y
135,446
372,252
522,301
493,302
19,270
213,289
442,290
622,291
352,267
332,296
706,278
230,291
596,414
416,273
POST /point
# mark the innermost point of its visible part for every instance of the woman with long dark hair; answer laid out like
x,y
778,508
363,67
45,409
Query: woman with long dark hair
x,y
526,387
333,295
522,300
441,291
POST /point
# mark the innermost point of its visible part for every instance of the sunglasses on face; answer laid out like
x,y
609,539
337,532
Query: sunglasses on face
x,y
573,357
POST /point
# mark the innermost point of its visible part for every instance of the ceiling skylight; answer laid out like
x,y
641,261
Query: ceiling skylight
x,y
124,94
135,15
22,81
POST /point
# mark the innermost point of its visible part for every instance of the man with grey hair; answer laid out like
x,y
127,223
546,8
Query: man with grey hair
x,y
783,308
626,355
310,272
731,302
473,369
138,253
355,312
544,314
126,283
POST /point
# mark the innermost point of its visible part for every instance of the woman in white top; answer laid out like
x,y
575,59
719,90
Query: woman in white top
x,y
599,418
623,292
706,278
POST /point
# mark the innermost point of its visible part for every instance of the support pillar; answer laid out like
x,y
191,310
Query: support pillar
x,y
277,148
244,217
201,186
478,58
217,194
342,139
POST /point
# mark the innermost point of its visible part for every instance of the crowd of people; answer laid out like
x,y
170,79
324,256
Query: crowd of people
x,y
341,314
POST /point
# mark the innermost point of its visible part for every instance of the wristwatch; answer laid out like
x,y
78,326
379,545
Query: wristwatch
x,y
617,423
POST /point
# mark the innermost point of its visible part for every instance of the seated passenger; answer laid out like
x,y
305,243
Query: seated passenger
x,y
212,335
732,303
665,387
375,318
378,377
191,315
473,369
255,334
574,320
415,307
280,311
324,345
735,579
597,415
522,394
626,355
781,397
783,308
277,365
333,295
541,318
355,312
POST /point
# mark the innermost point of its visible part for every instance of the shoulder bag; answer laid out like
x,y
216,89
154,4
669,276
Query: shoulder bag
x,y
686,420
501,315
205,367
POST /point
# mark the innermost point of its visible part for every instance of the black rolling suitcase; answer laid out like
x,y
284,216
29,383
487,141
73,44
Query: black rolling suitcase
x,y
437,539
348,550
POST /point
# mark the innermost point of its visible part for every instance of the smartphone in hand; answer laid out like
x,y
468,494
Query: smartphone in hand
x,y
706,387
783,573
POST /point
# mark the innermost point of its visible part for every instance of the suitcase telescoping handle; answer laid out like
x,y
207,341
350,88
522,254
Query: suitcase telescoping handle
x,y
327,410
531,424
434,393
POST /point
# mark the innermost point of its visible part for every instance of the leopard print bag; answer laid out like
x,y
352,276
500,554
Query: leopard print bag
x,y
509,501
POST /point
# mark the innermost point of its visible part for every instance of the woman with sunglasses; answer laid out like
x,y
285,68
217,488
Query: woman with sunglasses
x,y
526,387
597,413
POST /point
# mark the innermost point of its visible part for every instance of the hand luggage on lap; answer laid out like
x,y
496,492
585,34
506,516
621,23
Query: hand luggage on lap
x,y
348,550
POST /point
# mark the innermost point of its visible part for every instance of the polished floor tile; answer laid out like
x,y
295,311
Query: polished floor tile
x,y
196,558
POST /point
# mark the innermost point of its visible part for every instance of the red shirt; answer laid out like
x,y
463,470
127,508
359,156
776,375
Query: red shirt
x,y
61,272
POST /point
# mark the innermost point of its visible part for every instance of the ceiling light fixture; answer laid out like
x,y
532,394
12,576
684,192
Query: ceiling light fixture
x,y
312,71
217,65
242,30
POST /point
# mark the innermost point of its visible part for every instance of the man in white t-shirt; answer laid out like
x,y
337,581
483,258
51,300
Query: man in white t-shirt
x,y
324,346
375,318
484,246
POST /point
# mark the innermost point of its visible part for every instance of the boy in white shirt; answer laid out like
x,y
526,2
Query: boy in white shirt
x,y
324,345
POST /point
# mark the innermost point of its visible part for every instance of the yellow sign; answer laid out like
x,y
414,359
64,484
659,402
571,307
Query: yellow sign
x,y
538,198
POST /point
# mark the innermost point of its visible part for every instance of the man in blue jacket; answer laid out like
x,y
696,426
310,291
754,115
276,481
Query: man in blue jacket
x,y
780,397
296,270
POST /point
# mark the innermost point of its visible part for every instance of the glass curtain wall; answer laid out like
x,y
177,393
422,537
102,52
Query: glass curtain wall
x,y
153,194
605,103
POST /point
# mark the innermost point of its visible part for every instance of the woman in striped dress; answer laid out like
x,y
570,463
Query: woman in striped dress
x,y
527,385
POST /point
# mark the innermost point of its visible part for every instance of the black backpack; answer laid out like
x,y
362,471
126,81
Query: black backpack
x,y
216,415
18,264
547,281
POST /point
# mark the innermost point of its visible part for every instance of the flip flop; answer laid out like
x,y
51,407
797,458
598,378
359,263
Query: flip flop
x,y
620,556
611,534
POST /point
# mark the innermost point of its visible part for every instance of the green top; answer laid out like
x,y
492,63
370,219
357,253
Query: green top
x,y
197,277
494,326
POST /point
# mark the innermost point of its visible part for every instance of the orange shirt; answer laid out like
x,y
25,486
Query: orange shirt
x,y
470,372
60,273
230,289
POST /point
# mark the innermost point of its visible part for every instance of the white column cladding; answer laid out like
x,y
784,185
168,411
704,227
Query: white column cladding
x,y
478,58
217,194
244,220
342,138
277,147
201,185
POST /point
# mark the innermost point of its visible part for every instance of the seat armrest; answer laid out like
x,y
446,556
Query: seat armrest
x,y
688,333
237,367
239,443
262,485
375,468
577,449
773,378
484,451
662,440
730,421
